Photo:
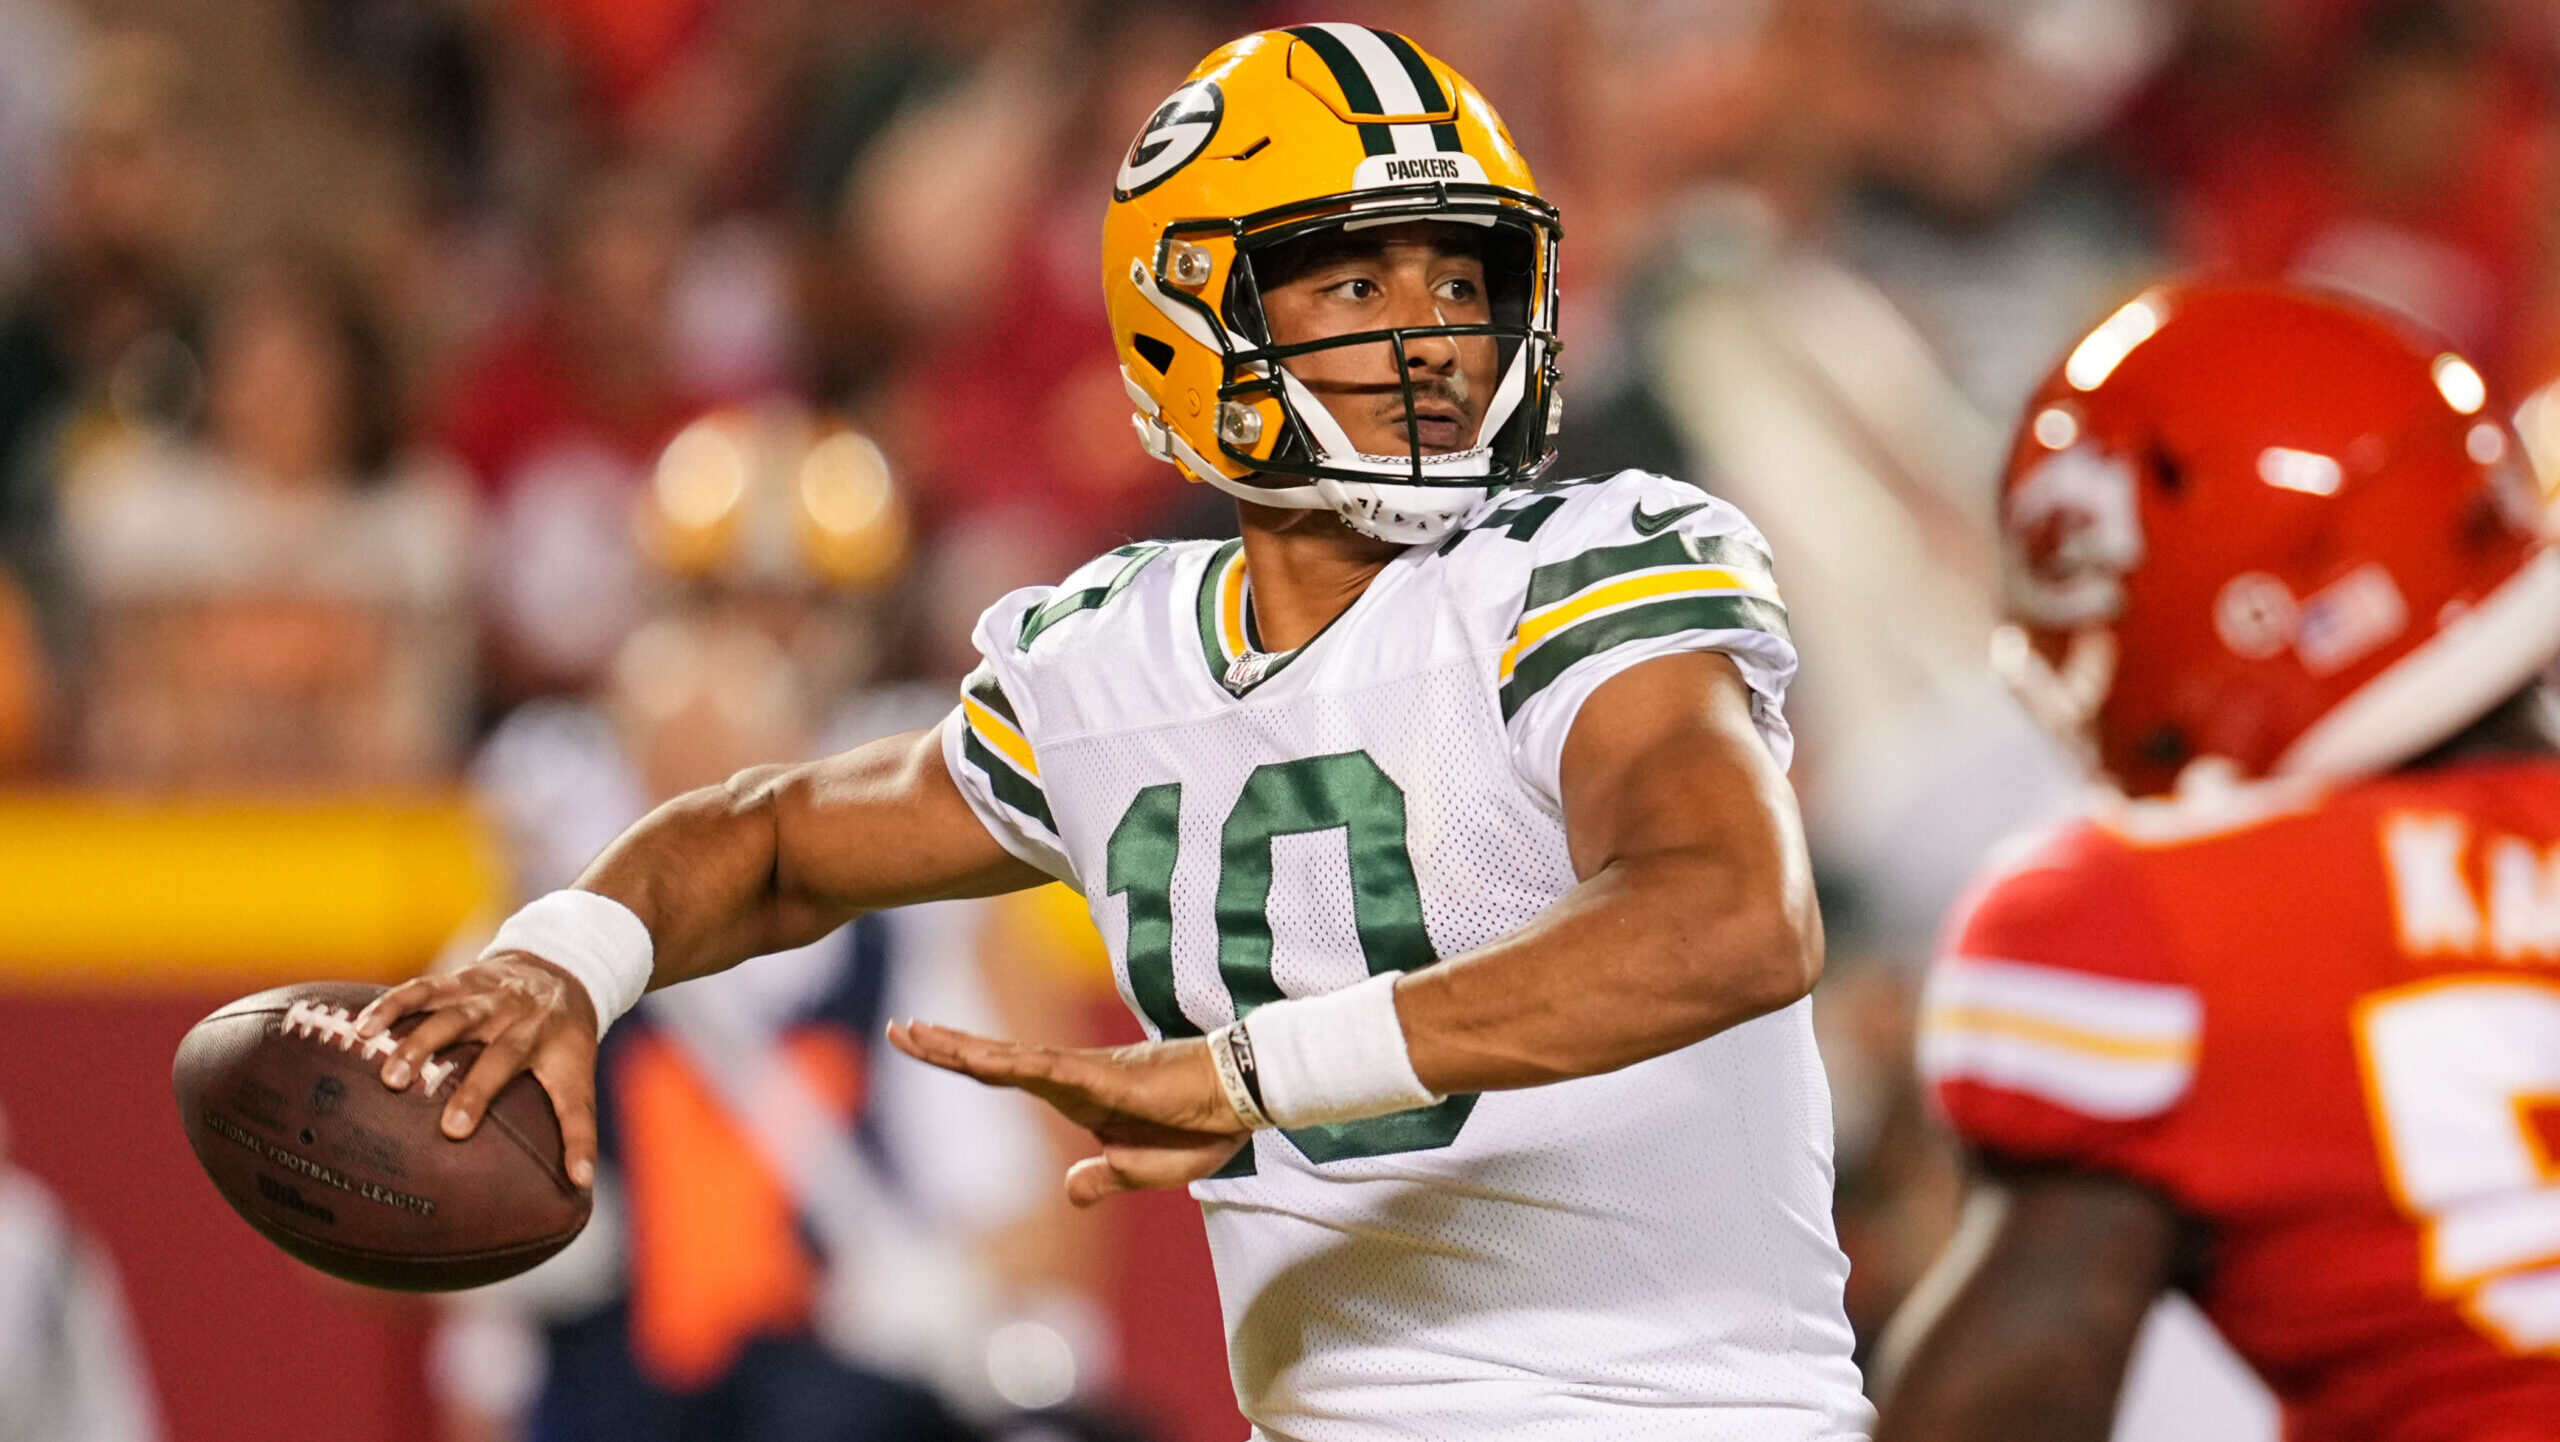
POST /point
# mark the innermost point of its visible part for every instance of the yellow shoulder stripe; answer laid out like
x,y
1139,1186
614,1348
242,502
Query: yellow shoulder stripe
x,y
999,733
1686,580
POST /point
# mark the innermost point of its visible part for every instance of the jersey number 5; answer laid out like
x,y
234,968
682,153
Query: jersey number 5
x,y
1346,792
2463,1076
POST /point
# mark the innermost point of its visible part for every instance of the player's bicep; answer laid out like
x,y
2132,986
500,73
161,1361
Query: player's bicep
x,y
884,824
1679,816
2023,1329
1665,756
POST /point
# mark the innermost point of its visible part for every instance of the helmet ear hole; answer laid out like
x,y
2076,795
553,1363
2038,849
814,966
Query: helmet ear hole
x,y
2166,747
2166,472
1155,352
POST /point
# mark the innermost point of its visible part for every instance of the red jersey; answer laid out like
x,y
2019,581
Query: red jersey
x,y
2331,1036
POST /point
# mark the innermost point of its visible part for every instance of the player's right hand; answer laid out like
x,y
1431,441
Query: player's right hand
x,y
528,1015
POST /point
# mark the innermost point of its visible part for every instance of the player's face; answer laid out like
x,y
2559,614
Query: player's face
x,y
1405,275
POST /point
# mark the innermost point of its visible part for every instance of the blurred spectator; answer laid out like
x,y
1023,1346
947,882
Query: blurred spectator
x,y
808,1242
39,46
1973,203
98,345
26,683
69,1370
557,420
280,600
2417,170
978,209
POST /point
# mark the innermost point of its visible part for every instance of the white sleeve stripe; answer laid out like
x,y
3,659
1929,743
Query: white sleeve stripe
x,y
2107,1009
2066,1038
2101,1046
2081,1081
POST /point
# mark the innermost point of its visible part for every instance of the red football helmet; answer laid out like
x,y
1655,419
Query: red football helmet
x,y
2269,529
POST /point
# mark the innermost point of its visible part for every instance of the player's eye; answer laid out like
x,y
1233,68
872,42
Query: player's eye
x,y
1460,291
1358,287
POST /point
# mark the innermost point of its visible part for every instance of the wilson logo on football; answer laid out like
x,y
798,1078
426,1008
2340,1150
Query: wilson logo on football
x,y
1180,129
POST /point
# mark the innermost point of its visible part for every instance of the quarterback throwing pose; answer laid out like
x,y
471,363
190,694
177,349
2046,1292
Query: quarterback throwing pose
x,y
1438,826
2292,1041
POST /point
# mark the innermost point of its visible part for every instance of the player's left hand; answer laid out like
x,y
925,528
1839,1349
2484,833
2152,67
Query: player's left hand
x,y
1156,1107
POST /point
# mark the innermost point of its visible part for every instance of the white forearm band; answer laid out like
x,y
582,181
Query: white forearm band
x,y
593,938
1335,1058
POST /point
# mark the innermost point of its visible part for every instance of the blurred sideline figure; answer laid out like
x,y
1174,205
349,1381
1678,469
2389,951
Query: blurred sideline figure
x,y
99,345
2279,1028
794,1242
556,416
69,1367
282,599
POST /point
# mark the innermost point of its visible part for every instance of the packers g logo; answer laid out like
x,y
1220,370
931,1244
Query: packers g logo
x,y
1180,129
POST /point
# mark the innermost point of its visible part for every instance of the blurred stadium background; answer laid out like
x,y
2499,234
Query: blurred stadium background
x,y
431,430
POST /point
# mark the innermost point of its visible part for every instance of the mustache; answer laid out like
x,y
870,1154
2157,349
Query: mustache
x,y
1450,390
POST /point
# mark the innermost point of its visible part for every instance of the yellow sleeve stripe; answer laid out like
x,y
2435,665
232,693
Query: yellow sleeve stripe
x,y
1231,607
1682,581
999,733
1986,1021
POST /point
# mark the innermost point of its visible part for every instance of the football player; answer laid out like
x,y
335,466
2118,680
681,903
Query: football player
x,y
2282,1030
1438,825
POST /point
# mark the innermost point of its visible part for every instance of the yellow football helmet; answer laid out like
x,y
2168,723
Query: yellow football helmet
x,y
1275,136
773,496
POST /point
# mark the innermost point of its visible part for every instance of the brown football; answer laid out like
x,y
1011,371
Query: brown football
x,y
287,1111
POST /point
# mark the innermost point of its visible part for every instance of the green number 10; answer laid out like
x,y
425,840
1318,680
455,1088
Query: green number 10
x,y
1321,793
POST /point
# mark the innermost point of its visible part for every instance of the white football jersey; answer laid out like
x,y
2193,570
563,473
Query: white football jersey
x,y
1643,1254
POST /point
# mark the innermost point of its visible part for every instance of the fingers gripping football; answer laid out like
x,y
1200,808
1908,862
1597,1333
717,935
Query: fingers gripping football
x,y
528,1015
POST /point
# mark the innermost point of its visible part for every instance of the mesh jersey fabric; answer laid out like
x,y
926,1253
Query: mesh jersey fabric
x,y
2329,1034
1647,1253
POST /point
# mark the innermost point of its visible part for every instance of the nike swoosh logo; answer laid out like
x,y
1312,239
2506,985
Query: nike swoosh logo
x,y
1647,525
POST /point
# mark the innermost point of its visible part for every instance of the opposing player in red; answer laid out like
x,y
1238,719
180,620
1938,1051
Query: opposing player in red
x,y
2282,1029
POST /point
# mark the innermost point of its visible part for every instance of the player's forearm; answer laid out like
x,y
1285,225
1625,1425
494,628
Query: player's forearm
x,y
2026,1323
2028,1366
781,855
700,872
1648,955
2027,1396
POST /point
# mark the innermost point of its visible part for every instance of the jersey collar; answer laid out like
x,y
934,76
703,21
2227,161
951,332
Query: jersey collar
x,y
1227,636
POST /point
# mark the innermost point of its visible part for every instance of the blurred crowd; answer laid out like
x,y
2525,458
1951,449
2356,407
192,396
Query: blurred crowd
x,y
584,397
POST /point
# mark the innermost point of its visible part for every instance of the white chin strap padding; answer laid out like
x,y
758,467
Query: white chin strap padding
x,y
1405,515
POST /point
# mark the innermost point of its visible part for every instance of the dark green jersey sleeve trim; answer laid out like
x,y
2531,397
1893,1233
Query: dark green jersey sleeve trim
x,y
1010,786
1059,608
983,688
1552,583
1585,639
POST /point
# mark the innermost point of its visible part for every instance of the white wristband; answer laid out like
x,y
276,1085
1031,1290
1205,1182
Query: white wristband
x,y
1335,1058
594,938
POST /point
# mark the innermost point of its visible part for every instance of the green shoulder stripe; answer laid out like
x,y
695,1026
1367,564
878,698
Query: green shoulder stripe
x,y
1635,623
1010,786
982,688
1552,583
1060,608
